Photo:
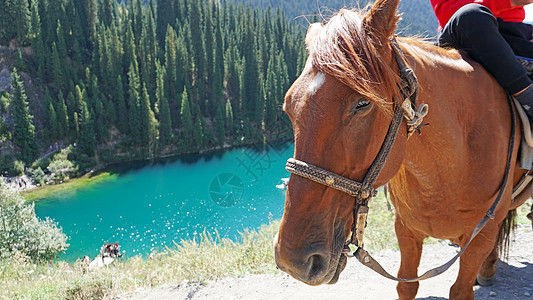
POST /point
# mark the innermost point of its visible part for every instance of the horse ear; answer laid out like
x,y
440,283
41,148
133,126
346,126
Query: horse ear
x,y
380,21
312,32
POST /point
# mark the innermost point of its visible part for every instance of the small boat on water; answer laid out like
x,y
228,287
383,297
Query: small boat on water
x,y
283,184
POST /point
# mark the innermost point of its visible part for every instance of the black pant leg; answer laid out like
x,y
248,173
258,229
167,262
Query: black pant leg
x,y
518,36
474,29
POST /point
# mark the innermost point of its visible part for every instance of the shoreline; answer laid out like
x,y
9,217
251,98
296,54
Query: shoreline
x,y
41,192
36,193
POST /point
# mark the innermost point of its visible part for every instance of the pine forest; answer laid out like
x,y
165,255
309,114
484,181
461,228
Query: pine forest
x,y
140,79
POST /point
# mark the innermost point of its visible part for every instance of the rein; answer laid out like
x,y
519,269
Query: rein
x,y
364,191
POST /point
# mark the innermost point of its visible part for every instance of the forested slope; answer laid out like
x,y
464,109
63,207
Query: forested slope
x,y
129,81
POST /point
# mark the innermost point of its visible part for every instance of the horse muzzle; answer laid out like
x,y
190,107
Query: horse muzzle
x,y
311,265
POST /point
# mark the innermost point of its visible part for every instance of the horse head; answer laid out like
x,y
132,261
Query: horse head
x,y
341,108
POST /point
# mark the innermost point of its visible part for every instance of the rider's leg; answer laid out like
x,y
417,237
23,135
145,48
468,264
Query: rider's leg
x,y
519,36
474,29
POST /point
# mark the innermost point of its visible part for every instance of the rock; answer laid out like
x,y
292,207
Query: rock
x,y
527,294
493,294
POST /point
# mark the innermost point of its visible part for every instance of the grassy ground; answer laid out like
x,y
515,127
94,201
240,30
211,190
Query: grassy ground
x,y
210,257
45,191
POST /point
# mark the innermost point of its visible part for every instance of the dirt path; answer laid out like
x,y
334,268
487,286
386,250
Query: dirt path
x,y
514,280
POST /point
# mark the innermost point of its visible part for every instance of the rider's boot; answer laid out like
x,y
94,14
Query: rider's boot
x,y
525,97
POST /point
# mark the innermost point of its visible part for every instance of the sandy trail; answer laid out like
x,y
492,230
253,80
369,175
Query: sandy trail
x,y
514,280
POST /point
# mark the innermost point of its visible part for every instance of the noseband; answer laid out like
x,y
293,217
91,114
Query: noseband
x,y
364,191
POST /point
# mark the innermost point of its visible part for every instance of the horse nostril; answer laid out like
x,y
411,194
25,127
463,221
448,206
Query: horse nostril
x,y
317,266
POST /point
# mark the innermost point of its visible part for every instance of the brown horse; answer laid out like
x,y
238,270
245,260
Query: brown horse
x,y
441,182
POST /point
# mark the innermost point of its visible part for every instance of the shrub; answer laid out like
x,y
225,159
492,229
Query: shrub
x,y
41,163
84,163
61,166
37,175
23,233
9,167
4,102
5,134
18,168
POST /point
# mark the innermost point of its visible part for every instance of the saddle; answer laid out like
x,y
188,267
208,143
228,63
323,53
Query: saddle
x,y
526,145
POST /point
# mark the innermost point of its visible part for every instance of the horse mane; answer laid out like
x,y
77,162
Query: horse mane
x,y
344,50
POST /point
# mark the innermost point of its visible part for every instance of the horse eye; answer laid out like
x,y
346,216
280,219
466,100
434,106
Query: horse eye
x,y
361,105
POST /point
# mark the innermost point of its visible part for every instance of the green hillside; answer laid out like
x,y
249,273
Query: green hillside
x,y
133,80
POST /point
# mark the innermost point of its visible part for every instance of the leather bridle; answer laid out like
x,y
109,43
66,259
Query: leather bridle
x,y
364,191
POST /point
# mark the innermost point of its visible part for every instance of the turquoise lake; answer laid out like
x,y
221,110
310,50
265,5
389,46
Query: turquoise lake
x,y
145,206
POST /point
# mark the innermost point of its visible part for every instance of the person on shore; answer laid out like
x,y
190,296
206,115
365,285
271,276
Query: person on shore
x,y
492,32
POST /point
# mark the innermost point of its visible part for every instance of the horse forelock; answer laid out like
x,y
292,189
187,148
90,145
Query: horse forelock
x,y
344,50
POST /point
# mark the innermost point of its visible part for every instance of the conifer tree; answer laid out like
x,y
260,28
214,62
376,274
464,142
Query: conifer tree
x,y
61,44
271,89
209,55
4,21
20,64
122,110
105,12
98,114
171,64
220,123
229,118
218,73
52,123
87,137
15,21
251,83
197,134
62,117
57,68
165,16
186,117
198,51
283,77
232,78
80,96
24,130
88,12
137,18
76,126
165,123
130,52
134,102
148,123
36,39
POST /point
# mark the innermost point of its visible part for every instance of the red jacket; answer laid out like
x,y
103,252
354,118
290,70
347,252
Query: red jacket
x,y
444,9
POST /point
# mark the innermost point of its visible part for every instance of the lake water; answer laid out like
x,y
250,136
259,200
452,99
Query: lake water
x,y
145,206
